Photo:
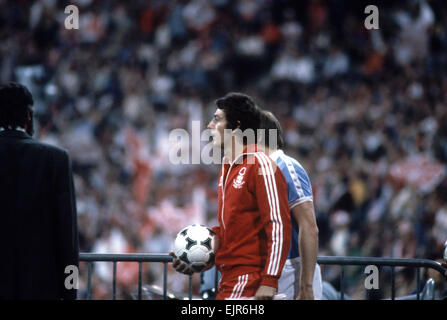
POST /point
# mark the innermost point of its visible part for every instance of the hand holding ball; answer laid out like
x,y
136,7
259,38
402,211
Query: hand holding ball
x,y
194,248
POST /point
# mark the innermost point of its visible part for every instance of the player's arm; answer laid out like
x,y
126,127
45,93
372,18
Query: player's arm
x,y
308,243
271,195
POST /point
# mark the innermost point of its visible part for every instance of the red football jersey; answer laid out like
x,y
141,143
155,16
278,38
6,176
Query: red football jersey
x,y
254,218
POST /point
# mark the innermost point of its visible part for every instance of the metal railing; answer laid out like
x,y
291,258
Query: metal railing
x,y
141,258
383,262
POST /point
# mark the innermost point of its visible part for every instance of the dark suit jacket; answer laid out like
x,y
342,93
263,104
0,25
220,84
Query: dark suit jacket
x,y
38,221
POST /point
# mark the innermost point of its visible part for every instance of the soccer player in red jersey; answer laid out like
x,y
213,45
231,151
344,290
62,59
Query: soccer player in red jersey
x,y
254,229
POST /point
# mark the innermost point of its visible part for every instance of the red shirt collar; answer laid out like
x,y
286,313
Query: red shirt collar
x,y
252,148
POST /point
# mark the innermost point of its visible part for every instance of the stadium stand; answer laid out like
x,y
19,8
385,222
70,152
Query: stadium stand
x,y
363,110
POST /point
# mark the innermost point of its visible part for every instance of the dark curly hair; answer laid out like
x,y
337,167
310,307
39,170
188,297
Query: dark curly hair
x,y
240,111
15,104
269,121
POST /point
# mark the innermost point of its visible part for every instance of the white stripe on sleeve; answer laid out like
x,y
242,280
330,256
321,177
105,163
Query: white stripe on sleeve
x,y
267,183
278,216
275,217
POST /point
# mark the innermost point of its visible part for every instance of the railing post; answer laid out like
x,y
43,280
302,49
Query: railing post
x,y
417,284
89,280
216,281
342,276
393,289
140,267
114,281
165,281
190,287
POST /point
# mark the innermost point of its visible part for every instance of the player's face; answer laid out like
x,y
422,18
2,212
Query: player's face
x,y
217,126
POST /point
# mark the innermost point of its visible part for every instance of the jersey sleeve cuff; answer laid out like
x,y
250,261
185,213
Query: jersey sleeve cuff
x,y
269,281
216,230
300,201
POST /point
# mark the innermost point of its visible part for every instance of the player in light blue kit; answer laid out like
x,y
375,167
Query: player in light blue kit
x,y
301,276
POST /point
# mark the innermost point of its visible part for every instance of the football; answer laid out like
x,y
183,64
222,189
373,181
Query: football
x,y
194,245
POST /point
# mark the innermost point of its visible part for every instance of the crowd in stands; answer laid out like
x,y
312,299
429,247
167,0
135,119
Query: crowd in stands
x,y
364,111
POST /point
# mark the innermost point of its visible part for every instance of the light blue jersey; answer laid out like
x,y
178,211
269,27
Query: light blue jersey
x,y
299,190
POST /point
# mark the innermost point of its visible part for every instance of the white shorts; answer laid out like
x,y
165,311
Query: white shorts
x,y
289,282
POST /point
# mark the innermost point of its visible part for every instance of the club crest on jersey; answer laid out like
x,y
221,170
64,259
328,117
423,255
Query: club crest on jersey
x,y
238,181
